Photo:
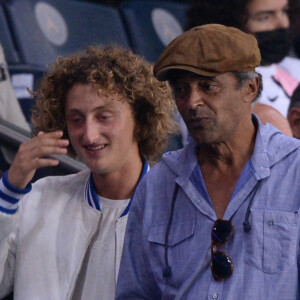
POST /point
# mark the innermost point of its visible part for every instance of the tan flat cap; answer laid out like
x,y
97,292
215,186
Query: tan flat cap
x,y
209,50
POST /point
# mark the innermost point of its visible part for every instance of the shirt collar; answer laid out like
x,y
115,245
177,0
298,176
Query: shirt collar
x,y
93,199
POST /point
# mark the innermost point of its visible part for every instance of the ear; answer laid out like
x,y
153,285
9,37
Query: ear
x,y
251,88
294,120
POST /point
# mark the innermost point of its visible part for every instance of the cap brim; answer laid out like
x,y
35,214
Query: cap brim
x,y
163,74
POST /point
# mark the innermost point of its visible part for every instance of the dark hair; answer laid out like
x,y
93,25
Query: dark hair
x,y
295,99
112,70
230,13
226,12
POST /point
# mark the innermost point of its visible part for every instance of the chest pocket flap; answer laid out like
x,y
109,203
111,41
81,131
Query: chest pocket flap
x,y
180,230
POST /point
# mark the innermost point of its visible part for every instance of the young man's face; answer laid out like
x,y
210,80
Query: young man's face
x,y
101,130
267,15
213,108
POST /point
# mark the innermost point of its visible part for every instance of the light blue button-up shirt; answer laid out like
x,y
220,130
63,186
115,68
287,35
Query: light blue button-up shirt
x,y
266,259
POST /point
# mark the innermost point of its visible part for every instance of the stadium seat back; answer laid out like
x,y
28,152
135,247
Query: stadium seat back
x,y
152,25
46,29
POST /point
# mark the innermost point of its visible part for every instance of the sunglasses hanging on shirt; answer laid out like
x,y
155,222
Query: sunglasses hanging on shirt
x,y
221,264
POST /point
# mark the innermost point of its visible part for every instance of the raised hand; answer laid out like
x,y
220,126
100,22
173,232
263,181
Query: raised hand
x,y
31,156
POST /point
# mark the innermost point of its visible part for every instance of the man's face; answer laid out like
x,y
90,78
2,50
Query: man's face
x,y
213,108
101,129
267,15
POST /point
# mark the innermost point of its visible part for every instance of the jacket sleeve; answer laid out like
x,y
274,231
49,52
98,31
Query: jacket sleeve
x,y
9,220
136,280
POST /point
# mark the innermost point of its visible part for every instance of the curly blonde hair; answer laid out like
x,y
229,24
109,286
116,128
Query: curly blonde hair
x,y
113,70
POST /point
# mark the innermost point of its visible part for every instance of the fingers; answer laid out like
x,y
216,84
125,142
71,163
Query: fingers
x,y
42,145
33,155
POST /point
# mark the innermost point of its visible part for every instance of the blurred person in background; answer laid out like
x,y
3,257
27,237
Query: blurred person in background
x,y
268,114
268,21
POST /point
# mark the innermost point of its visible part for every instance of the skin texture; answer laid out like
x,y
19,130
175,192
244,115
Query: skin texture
x,y
101,130
268,114
266,15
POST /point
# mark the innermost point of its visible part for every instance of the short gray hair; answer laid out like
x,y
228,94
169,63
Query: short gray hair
x,y
242,77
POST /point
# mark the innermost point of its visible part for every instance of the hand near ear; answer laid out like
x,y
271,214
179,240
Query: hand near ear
x,y
33,155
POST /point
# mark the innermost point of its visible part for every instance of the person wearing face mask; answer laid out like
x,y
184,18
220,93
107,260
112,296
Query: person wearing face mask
x,y
268,21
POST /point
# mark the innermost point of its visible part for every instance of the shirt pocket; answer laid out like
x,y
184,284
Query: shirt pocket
x,y
271,233
179,247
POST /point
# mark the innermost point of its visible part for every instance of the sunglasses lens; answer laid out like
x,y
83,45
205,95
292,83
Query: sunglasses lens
x,y
221,266
221,231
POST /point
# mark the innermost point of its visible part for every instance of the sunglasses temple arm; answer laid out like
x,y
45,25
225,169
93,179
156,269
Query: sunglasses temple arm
x,y
167,271
246,223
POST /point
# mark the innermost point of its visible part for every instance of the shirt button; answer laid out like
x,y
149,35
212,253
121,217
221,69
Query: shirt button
x,y
270,223
215,296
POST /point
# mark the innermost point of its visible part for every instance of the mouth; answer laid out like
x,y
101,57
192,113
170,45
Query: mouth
x,y
94,149
198,121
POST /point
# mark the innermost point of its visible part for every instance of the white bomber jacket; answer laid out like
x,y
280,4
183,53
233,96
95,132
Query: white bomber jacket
x,y
43,244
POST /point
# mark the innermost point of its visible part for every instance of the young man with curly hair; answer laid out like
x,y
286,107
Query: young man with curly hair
x,y
64,239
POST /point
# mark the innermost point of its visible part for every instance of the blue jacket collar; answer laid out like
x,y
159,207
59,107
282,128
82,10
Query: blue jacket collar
x,y
92,197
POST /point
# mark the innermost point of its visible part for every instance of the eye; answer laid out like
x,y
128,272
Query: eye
x,y
75,120
179,91
208,86
103,116
263,17
286,11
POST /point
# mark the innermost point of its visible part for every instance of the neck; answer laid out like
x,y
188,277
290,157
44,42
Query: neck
x,y
231,154
120,184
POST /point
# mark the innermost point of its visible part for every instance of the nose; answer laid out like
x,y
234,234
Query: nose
x,y
283,21
195,98
91,132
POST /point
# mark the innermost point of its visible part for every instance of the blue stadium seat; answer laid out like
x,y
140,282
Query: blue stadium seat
x,y
46,29
152,25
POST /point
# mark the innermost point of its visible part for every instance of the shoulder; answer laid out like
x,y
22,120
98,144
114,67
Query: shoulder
x,y
57,184
174,164
279,146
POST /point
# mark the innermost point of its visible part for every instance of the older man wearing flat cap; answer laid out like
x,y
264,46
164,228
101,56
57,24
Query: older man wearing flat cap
x,y
218,219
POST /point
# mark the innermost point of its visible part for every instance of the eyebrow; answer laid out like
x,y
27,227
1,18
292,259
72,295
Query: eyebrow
x,y
191,78
269,12
264,12
102,107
